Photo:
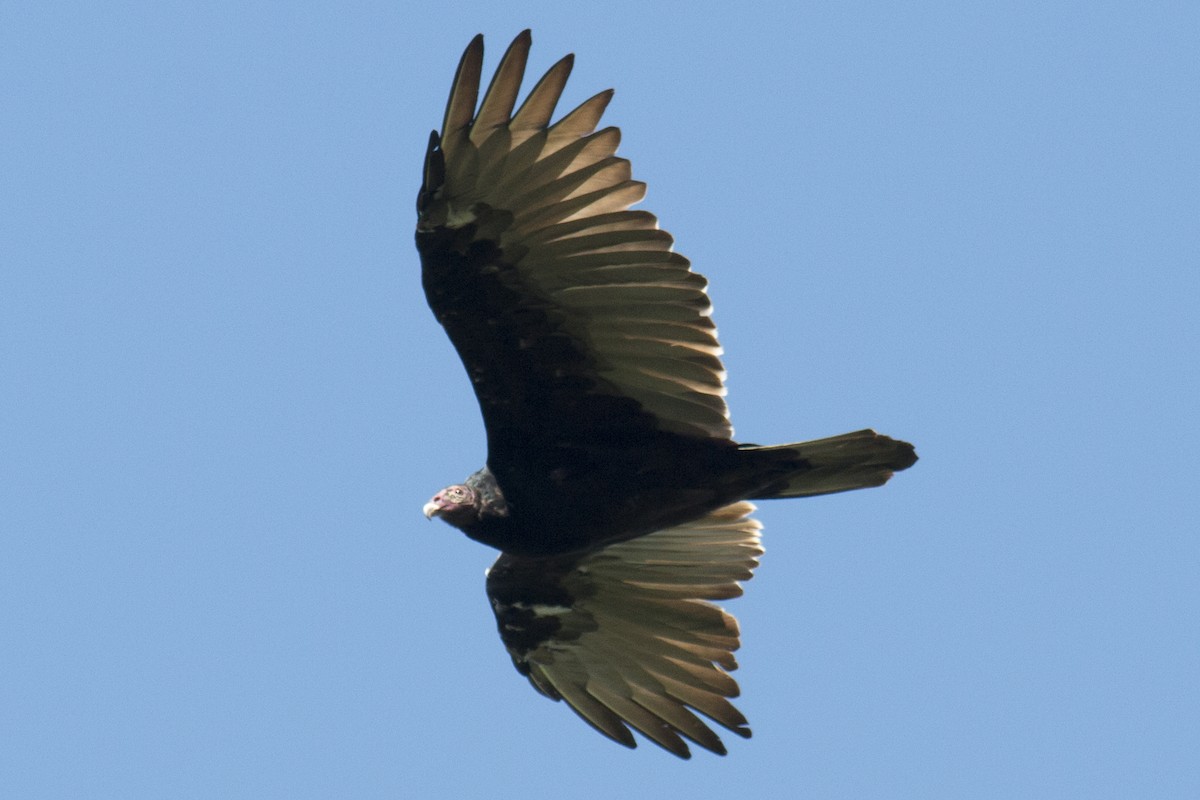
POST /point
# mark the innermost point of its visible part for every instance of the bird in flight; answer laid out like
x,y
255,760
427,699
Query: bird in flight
x,y
613,486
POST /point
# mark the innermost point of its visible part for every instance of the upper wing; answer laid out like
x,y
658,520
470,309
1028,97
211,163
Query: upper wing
x,y
575,321
624,634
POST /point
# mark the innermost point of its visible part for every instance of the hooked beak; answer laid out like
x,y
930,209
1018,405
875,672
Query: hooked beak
x,y
431,509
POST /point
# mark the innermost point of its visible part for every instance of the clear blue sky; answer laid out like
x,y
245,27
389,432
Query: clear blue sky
x,y
223,400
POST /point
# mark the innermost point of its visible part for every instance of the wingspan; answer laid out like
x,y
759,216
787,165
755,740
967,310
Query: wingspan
x,y
576,322
625,636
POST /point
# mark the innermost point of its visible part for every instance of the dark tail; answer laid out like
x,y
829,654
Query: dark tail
x,y
840,463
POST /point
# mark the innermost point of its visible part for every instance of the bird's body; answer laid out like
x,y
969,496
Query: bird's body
x,y
613,484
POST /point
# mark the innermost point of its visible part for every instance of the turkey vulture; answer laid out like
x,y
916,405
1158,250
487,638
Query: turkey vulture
x,y
613,486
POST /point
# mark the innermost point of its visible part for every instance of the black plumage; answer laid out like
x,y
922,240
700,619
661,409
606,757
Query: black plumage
x,y
613,485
